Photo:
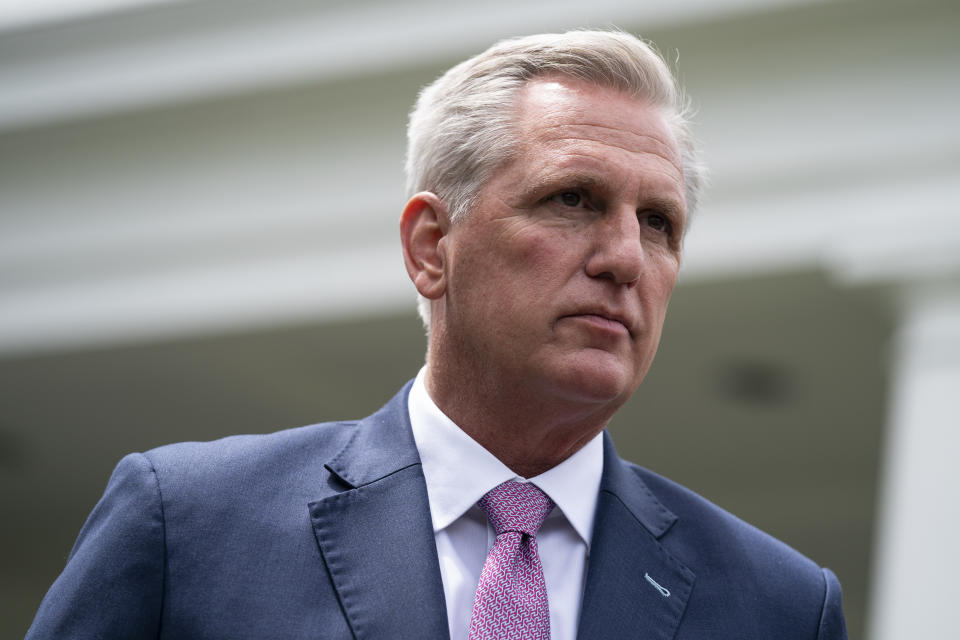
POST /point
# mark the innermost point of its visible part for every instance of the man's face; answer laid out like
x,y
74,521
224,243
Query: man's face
x,y
558,279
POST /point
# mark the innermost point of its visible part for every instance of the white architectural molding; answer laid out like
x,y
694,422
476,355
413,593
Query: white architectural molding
x,y
210,298
152,53
904,230
129,227
916,557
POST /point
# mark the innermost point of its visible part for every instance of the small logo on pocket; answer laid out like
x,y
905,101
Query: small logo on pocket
x,y
663,590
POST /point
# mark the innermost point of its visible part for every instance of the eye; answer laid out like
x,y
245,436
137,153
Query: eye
x,y
657,221
569,198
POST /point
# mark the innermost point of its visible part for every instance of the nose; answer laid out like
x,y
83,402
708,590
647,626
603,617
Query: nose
x,y
618,253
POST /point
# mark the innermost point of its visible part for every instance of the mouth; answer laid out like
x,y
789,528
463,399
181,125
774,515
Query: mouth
x,y
604,319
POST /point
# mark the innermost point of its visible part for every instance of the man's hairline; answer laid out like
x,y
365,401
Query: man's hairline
x,y
460,213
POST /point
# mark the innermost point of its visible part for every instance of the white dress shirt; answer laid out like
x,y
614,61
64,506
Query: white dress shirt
x,y
459,472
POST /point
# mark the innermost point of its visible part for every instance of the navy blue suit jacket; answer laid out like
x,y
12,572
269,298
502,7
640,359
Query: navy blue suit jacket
x,y
324,532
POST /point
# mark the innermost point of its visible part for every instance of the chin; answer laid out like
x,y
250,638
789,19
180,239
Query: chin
x,y
598,382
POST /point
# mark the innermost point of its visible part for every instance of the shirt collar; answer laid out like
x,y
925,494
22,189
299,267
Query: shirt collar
x,y
459,471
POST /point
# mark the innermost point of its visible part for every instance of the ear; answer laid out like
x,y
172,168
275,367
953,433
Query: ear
x,y
423,227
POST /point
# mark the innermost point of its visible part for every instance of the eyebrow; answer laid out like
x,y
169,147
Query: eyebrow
x,y
594,184
567,179
669,206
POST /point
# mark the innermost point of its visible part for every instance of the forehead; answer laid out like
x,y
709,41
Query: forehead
x,y
562,121
556,107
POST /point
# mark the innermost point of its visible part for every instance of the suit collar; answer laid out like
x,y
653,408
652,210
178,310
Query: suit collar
x,y
634,587
376,537
381,445
620,480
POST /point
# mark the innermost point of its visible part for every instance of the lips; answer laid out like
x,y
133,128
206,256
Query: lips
x,y
603,317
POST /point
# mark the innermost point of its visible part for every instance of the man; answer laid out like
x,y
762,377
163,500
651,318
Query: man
x,y
551,180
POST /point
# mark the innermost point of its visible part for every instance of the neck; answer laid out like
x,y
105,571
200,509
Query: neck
x,y
530,432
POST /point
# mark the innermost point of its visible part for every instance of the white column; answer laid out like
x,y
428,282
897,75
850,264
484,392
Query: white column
x,y
916,572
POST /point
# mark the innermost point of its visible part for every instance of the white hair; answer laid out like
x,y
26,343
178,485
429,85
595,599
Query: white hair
x,y
461,128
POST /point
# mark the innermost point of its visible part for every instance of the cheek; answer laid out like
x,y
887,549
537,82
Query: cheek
x,y
505,272
542,253
664,274
656,297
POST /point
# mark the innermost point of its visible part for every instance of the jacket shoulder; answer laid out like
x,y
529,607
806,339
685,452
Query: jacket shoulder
x,y
249,464
746,579
236,451
699,517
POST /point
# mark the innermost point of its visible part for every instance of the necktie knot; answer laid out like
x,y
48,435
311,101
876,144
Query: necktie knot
x,y
511,600
516,506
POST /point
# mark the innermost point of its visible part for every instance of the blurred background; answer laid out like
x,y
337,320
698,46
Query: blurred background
x,y
198,237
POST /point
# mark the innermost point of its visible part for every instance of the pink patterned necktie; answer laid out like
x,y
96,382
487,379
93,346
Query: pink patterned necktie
x,y
511,600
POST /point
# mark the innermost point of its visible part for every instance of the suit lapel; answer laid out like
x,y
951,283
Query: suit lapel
x,y
376,535
634,588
